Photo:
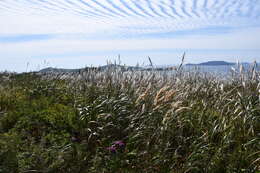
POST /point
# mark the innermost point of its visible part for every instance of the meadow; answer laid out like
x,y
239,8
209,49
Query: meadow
x,y
116,121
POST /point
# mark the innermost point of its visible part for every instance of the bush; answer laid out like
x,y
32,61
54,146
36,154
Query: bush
x,y
129,121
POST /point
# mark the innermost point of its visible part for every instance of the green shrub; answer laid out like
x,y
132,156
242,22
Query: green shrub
x,y
168,122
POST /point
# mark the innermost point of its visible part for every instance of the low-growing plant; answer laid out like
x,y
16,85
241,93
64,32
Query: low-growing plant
x,y
118,120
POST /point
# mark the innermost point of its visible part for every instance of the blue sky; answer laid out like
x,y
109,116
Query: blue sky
x,y
78,33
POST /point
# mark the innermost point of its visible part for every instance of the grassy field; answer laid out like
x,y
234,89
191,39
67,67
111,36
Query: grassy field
x,y
133,121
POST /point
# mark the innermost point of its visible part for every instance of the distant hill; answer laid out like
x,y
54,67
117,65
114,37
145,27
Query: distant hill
x,y
58,70
131,68
212,63
101,68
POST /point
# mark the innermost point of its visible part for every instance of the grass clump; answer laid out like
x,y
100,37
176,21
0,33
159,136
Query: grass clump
x,y
129,121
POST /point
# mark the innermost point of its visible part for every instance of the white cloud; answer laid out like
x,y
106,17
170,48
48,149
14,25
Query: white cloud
x,y
243,39
95,26
94,16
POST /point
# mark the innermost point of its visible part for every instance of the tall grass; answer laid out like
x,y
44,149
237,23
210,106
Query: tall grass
x,y
166,121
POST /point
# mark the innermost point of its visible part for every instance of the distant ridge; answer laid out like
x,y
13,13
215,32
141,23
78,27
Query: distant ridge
x,y
213,63
126,68
58,70
101,68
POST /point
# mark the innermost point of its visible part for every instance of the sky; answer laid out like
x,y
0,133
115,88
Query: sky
x,y
36,34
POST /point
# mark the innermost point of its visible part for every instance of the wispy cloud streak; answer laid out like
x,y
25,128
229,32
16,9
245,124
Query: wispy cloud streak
x,y
34,21
25,38
143,9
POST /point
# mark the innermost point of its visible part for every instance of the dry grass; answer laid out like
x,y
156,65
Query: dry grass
x,y
170,121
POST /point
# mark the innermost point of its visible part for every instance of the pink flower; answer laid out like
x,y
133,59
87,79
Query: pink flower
x,y
111,149
119,144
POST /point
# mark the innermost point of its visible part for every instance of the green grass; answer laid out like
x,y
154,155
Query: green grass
x,y
178,123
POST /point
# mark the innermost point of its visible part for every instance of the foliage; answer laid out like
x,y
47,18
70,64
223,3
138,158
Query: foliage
x,y
129,121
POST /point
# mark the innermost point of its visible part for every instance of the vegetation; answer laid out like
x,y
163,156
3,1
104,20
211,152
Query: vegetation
x,y
130,121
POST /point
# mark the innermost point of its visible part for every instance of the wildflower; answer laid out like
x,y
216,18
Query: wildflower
x,y
111,149
119,144
75,139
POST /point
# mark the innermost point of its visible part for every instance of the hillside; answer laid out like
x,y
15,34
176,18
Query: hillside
x,y
140,121
213,63
147,68
100,68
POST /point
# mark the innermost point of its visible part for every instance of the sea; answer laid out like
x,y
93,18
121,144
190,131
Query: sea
x,y
223,69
